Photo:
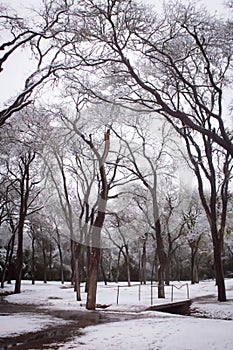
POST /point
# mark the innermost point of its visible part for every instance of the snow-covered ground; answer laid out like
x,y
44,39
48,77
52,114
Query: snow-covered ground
x,y
153,330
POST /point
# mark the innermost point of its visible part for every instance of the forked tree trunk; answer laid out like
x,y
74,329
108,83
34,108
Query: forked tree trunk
x,y
97,226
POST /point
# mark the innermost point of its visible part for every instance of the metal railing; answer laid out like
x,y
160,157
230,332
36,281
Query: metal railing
x,y
179,287
139,285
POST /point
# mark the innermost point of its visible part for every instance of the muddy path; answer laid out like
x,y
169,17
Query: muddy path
x,y
47,338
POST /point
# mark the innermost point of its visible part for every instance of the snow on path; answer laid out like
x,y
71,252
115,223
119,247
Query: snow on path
x,y
157,331
16,324
178,333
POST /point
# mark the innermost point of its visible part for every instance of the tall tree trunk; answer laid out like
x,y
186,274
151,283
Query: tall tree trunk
x,y
88,259
102,269
194,267
219,269
61,264
33,260
143,276
45,264
94,261
19,262
24,195
127,263
7,263
162,260
72,260
98,224
50,261
168,271
77,256
118,265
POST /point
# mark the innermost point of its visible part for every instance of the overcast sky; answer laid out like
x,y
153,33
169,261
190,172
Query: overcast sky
x,y
210,4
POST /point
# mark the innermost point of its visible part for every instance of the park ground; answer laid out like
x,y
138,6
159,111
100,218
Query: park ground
x,y
47,316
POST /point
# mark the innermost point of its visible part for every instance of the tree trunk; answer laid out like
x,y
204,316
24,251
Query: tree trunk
x,y
127,262
24,194
61,264
77,272
94,261
72,262
50,262
10,247
159,241
162,260
168,271
45,265
219,269
102,270
98,224
19,262
110,276
153,277
33,260
143,277
194,267
118,265
88,259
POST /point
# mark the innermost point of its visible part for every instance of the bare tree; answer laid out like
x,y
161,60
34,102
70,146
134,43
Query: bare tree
x,y
186,60
149,179
37,40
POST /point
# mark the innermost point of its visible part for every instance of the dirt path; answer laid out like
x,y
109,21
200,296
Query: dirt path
x,y
43,339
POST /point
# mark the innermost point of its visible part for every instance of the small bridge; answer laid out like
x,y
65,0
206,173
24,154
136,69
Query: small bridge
x,y
181,307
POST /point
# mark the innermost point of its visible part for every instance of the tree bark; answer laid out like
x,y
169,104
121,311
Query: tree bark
x,y
143,276
102,270
7,263
127,263
33,260
219,269
61,264
168,271
45,264
77,256
94,261
162,260
19,262
98,224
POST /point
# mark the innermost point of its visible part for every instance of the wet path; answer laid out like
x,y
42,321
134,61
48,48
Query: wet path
x,y
45,339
